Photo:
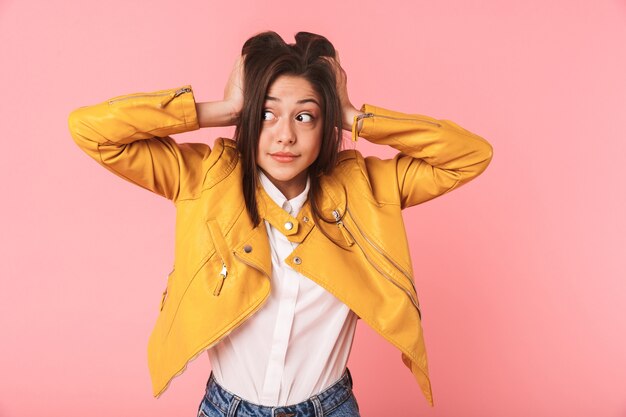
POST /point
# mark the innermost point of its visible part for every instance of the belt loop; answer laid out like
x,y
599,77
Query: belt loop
x,y
232,410
317,406
349,378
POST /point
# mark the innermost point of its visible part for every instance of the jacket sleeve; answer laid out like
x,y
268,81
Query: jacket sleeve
x,y
436,156
129,135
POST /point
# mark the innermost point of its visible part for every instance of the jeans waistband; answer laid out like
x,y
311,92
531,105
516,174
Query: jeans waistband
x,y
316,406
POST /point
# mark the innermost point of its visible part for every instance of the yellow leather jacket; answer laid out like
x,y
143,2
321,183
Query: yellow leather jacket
x,y
222,266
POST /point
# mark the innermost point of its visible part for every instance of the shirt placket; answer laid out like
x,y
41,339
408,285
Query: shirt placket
x,y
287,284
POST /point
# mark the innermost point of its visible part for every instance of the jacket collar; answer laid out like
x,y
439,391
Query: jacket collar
x,y
273,206
334,199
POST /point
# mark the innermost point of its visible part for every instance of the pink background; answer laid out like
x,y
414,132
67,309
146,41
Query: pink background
x,y
521,273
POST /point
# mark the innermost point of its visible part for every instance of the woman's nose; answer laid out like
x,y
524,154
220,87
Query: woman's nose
x,y
285,132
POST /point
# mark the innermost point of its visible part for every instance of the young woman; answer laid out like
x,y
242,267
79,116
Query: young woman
x,y
282,240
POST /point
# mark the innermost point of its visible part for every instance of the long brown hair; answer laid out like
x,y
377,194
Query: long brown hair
x,y
266,57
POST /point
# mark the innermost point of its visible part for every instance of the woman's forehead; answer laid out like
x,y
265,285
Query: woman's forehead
x,y
292,89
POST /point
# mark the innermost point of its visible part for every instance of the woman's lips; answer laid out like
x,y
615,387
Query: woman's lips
x,y
283,156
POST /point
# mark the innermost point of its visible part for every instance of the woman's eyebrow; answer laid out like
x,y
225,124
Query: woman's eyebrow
x,y
304,100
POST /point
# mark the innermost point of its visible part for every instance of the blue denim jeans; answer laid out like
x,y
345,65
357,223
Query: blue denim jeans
x,y
335,401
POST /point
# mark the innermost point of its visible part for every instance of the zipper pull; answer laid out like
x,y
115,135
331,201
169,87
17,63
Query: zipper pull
x,y
220,283
342,228
355,124
173,95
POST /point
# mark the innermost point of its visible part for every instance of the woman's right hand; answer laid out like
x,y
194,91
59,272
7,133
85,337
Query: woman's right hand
x,y
225,112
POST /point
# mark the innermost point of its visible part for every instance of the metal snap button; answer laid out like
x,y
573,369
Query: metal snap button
x,y
297,260
305,219
288,226
247,249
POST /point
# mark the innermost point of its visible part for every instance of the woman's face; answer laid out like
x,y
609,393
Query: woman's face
x,y
291,133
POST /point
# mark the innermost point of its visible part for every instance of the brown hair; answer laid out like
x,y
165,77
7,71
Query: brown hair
x,y
266,57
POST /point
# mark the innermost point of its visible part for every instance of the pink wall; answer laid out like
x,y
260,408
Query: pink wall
x,y
521,274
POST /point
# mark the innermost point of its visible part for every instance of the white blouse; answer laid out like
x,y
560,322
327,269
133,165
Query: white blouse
x,y
298,343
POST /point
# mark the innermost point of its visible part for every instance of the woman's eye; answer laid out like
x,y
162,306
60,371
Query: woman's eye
x,y
268,115
304,117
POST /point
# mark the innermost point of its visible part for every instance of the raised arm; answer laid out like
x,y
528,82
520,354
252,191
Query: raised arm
x,y
435,156
130,135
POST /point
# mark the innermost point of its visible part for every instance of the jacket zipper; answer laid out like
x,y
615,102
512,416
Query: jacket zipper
x,y
170,96
342,228
219,339
175,94
220,282
345,231
406,119
384,254
357,119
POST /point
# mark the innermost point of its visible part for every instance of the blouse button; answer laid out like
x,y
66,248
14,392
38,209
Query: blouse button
x,y
297,260
247,249
288,226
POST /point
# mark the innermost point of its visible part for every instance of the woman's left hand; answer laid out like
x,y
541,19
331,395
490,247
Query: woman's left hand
x,y
347,109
